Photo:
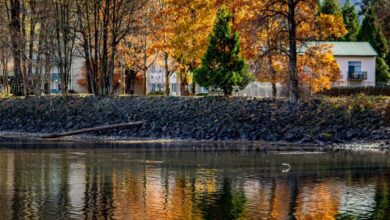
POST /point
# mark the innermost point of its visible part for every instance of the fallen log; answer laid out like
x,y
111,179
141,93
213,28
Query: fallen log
x,y
87,130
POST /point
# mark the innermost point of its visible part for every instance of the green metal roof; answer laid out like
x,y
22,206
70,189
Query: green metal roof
x,y
352,49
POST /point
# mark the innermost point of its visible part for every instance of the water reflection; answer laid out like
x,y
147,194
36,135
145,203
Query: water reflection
x,y
128,184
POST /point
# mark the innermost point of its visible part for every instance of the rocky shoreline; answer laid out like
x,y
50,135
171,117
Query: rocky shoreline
x,y
316,121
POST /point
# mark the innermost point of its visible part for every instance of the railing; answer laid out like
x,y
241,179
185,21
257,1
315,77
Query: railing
x,y
357,75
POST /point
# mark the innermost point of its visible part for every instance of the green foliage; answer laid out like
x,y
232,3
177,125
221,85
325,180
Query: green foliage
x,y
330,7
371,31
365,4
382,69
351,21
223,66
156,93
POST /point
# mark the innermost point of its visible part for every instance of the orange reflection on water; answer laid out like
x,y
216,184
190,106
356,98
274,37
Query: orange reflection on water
x,y
318,200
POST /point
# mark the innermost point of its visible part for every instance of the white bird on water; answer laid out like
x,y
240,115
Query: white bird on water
x,y
288,167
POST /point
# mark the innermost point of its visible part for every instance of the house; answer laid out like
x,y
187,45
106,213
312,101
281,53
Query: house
x,y
75,76
357,62
156,82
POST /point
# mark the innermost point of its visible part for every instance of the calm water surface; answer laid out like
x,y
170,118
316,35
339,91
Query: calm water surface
x,y
159,184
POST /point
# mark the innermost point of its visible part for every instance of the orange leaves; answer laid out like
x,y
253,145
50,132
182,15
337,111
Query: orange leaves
x,y
318,68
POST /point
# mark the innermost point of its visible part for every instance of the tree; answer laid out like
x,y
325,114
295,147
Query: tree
x,y
298,23
65,37
372,32
14,10
164,19
317,68
351,21
193,22
383,12
103,25
382,70
222,65
330,7
365,4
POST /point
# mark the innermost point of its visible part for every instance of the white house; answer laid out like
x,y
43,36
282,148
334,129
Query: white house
x,y
357,62
156,81
78,63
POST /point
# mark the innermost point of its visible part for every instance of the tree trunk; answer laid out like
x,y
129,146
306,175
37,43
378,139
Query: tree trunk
x,y
38,68
111,69
274,90
145,78
15,44
184,84
167,75
104,61
23,50
32,83
293,52
273,77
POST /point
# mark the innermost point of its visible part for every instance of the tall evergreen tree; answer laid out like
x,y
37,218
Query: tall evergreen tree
x,y
223,66
330,7
351,21
366,4
372,32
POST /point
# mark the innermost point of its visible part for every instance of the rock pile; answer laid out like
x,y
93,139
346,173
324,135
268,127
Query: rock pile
x,y
209,118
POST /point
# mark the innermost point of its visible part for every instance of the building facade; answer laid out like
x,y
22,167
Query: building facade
x,y
357,62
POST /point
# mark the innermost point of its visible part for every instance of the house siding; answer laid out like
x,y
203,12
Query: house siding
x,y
368,65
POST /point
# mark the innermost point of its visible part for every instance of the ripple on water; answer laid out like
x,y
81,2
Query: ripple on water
x,y
205,185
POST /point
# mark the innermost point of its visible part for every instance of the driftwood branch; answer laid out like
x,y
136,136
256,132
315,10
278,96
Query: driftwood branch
x,y
100,128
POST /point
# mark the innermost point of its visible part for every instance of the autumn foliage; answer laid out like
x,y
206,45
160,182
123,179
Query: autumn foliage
x,y
118,36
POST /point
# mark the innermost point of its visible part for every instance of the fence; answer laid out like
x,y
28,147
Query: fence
x,y
261,89
367,88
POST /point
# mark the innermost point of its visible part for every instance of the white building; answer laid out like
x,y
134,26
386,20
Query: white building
x,y
76,75
357,62
156,81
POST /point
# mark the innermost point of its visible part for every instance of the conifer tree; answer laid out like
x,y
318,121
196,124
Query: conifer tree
x,y
351,21
330,7
372,32
223,66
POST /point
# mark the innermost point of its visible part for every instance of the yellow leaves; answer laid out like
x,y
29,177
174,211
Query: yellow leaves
x,y
318,68
331,26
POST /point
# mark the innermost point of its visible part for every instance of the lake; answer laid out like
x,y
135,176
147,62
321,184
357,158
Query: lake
x,y
159,183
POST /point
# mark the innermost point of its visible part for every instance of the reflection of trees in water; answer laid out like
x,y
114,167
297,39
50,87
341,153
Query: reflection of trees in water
x,y
228,203
382,199
98,190
6,184
63,199
151,190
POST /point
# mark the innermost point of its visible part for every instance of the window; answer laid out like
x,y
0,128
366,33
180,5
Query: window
x,y
355,71
174,87
355,67
153,87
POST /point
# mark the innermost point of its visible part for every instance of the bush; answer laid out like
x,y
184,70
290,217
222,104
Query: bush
x,y
156,93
